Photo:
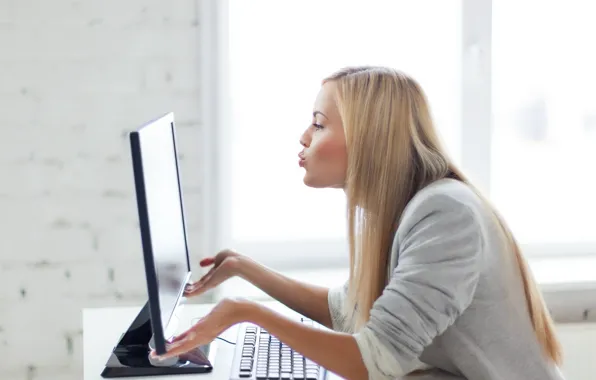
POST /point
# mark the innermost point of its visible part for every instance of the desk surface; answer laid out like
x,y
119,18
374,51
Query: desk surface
x,y
102,328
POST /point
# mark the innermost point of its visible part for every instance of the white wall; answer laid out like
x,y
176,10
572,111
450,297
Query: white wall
x,y
75,76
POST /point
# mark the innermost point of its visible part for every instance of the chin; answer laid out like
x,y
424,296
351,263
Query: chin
x,y
312,182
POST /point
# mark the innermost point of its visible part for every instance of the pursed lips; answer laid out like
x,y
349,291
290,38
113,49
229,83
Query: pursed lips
x,y
301,158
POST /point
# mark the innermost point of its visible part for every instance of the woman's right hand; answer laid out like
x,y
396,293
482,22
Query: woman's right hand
x,y
225,265
308,300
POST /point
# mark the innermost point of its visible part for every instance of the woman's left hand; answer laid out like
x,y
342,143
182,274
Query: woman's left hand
x,y
224,315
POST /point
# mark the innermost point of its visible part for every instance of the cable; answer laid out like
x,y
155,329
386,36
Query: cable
x,y
225,340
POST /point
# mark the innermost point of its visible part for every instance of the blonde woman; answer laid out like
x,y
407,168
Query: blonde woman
x,y
438,288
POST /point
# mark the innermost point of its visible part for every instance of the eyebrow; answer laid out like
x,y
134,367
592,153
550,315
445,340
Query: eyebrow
x,y
314,114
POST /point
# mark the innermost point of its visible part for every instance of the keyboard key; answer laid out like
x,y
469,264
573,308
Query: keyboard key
x,y
244,374
286,376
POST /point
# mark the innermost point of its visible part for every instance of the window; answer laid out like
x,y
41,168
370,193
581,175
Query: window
x,y
278,54
543,173
500,113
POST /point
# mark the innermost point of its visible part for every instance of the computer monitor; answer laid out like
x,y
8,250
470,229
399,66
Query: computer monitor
x,y
165,255
161,218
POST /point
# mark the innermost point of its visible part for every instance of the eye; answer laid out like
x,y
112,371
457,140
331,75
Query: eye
x,y
317,126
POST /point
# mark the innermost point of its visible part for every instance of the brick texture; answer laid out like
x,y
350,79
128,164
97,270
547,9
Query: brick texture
x,y
75,77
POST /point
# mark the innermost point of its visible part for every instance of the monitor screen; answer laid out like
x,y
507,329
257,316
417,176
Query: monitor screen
x,y
161,219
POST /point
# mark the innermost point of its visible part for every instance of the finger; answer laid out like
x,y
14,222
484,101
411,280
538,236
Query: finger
x,y
180,347
190,288
207,261
193,285
179,337
197,286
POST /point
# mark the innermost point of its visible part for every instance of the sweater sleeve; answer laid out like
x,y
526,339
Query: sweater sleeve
x,y
336,299
440,246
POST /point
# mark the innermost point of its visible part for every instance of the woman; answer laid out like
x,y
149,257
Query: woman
x,y
438,288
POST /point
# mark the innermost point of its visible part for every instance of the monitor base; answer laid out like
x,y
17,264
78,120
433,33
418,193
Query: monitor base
x,y
130,357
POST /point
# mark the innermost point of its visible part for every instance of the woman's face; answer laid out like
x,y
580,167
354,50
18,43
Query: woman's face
x,y
324,156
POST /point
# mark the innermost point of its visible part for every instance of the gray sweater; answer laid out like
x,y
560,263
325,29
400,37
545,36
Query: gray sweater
x,y
454,304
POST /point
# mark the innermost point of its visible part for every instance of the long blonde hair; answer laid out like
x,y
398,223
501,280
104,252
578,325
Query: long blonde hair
x,y
393,152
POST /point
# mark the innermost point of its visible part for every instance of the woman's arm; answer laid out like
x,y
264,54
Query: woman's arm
x,y
306,299
441,255
335,351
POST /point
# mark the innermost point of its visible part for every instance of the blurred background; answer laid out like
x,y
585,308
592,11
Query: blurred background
x,y
511,84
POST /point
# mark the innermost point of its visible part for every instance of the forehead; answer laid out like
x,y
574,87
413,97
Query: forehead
x,y
325,101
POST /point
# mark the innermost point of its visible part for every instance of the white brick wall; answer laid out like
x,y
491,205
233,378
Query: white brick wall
x,y
75,76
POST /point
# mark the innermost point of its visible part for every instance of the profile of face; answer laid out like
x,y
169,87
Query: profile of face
x,y
324,154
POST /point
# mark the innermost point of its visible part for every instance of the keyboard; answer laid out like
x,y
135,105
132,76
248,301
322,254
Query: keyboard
x,y
261,356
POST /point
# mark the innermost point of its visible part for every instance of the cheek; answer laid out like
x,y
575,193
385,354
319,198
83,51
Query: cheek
x,y
330,150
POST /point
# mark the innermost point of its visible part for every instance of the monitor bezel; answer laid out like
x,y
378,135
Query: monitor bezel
x,y
135,137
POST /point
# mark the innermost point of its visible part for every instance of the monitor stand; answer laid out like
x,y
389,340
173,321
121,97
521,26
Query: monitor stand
x,y
131,357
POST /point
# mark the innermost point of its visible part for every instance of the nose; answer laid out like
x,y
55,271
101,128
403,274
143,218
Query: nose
x,y
304,139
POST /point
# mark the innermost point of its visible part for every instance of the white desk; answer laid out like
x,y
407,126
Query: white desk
x,y
102,328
